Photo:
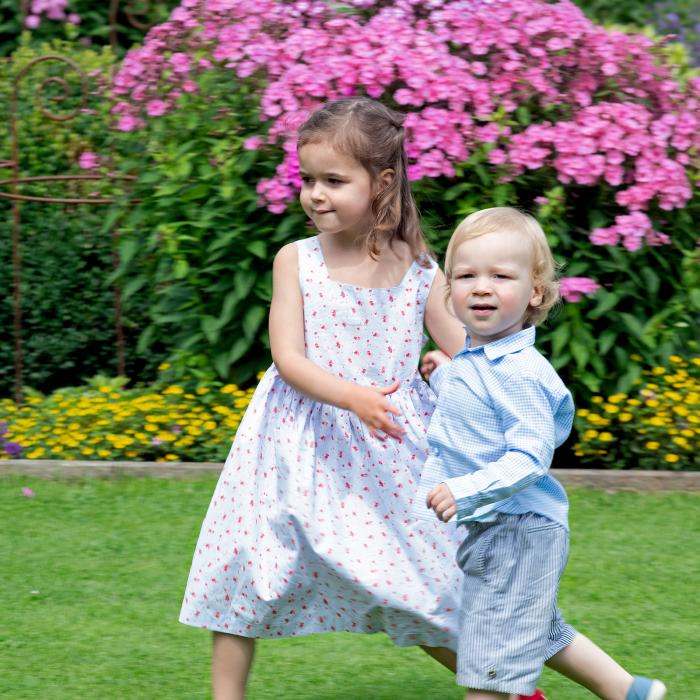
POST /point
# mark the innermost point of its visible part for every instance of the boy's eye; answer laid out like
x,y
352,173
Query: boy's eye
x,y
465,275
503,277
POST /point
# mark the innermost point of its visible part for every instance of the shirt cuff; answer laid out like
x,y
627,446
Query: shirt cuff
x,y
462,490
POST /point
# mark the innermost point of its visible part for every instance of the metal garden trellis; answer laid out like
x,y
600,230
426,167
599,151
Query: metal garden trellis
x,y
16,183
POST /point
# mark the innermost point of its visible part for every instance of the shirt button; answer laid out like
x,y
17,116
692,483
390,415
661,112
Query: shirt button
x,y
436,451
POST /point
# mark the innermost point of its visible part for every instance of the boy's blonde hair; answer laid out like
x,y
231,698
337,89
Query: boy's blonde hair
x,y
502,219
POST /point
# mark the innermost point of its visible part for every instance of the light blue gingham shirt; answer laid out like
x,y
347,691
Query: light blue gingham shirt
x,y
501,411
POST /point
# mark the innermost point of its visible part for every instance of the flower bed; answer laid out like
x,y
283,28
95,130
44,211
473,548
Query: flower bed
x,y
105,421
656,427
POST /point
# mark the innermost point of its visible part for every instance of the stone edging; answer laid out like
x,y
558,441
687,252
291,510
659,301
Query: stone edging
x,y
617,480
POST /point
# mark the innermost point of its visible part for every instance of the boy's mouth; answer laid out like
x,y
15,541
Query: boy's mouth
x,y
482,309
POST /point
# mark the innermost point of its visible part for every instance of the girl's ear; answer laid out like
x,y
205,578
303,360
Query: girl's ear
x,y
386,177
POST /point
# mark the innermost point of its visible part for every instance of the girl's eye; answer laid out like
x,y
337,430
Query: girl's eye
x,y
334,181
305,179
503,277
465,276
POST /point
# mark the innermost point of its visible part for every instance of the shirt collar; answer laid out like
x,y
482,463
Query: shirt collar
x,y
503,346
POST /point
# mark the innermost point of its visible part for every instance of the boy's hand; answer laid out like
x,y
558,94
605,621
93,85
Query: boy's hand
x,y
441,500
369,404
432,360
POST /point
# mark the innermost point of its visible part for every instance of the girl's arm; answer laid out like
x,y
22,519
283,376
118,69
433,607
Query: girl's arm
x,y
444,328
289,355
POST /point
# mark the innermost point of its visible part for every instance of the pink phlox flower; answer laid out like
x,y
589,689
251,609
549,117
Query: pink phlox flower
x,y
88,160
27,492
572,289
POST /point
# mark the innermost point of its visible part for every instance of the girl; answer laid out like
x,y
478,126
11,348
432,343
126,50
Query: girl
x,y
309,528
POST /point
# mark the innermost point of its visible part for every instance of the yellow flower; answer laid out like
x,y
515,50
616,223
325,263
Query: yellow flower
x,y
676,359
171,457
652,445
229,389
606,437
35,454
610,408
210,425
625,417
658,370
590,434
652,402
597,399
672,457
203,390
163,366
105,389
617,398
681,441
636,358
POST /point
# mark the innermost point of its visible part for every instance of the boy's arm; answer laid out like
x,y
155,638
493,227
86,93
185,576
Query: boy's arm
x,y
529,437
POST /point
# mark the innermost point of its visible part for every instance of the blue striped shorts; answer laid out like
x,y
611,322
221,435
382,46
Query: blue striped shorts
x,y
509,620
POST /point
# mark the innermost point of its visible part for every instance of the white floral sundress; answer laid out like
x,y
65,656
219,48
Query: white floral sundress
x,y
309,528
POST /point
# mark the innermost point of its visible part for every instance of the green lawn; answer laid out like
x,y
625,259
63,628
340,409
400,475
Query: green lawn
x,y
92,574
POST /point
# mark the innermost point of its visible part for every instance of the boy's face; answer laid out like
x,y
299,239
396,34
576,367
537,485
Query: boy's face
x,y
492,285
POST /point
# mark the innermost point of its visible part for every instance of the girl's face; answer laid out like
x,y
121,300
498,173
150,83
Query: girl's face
x,y
336,191
492,285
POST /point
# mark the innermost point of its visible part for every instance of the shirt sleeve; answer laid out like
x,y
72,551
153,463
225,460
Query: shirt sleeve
x,y
437,377
529,441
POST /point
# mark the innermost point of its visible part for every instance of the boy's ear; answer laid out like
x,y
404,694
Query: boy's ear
x,y
537,295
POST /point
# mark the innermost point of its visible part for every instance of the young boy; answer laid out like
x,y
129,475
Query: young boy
x,y
501,412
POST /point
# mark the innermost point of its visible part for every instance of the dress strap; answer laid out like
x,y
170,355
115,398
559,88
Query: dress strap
x,y
423,278
312,266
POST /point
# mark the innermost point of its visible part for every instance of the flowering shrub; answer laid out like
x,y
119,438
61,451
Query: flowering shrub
x,y
657,426
105,421
597,107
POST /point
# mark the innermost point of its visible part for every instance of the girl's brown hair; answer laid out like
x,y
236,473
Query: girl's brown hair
x,y
374,136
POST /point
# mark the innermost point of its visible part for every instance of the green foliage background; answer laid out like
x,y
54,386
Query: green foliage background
x,y
196,249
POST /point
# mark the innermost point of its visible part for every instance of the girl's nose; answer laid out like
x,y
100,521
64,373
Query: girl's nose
x,y
317,193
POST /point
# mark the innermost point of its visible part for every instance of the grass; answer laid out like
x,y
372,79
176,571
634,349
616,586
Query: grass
x,y
92,575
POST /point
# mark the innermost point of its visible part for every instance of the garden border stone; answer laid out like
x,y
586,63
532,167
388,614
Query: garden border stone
x,y
617,480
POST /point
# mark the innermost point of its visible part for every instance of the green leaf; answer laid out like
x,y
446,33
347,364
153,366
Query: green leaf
x,y
633,325
181,269
145,339
199,191
523,115
606,301
133,286
128,248
257,248
211,328
580,353
239,348
252,320
606,340
560,337
651,281
228,308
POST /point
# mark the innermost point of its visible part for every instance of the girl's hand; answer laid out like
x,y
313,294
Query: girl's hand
x,y
441,500
370,406
431,361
